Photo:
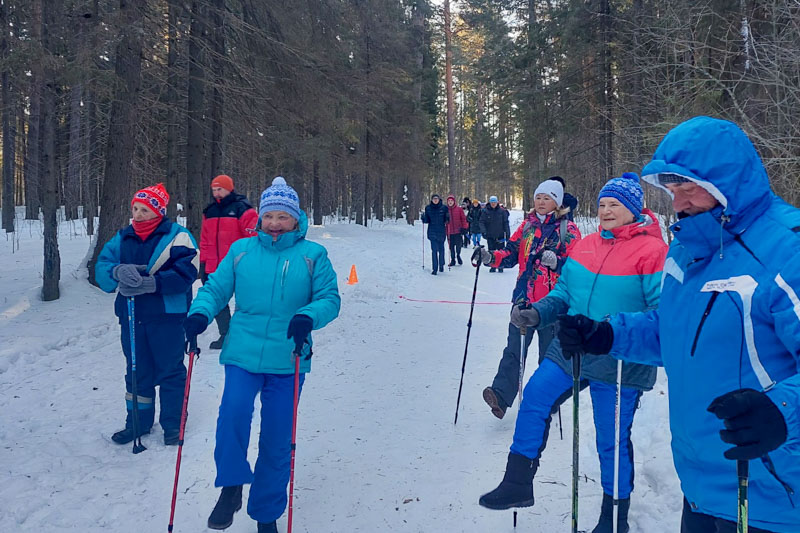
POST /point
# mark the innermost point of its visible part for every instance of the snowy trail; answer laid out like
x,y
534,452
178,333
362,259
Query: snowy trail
x,y
377,449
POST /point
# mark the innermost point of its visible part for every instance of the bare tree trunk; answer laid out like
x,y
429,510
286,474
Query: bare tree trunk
x,y
121,142
316,196
172,113
72,184
218,75
196,148
9,127
51,272
451,149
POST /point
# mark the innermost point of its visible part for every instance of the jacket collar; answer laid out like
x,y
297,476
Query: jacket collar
x,y
161,229
645,224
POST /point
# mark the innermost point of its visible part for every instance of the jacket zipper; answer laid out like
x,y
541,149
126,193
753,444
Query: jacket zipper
x,y
703,321
283,276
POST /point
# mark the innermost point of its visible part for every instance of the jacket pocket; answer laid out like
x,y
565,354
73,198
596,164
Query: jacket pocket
x,y
707,312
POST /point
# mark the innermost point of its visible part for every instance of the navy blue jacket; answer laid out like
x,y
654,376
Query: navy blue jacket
x,y
170,254
494,223
436,217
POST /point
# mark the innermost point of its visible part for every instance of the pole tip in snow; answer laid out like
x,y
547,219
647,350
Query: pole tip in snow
x,y
515,519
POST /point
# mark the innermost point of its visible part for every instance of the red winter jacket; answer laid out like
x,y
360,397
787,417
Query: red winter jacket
x,y
224,223
458,220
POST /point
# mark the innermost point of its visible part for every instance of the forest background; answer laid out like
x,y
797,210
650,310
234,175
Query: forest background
x,y
368,106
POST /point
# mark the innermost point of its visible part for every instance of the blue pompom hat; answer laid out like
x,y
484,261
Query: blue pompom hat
x,y
279,197
627,190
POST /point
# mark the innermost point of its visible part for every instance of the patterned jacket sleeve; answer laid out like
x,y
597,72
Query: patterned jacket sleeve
x,y
566,244
509,256
180,271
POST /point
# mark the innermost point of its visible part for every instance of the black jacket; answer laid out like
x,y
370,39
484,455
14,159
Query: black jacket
x,y
494,223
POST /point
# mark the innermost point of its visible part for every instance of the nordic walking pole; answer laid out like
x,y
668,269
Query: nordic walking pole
x,y
576,389
743,471
423,246
138,447
523,354
193,352
296,355
617,409
469,327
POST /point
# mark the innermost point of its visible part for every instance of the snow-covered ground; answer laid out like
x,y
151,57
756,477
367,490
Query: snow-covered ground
x,y
377,449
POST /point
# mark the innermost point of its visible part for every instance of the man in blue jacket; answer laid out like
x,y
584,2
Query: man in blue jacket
x,y
727,329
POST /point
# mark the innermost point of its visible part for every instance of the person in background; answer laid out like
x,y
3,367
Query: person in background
x,y
540,246
436,216
285,287
154,262
474,221
456,227
465,205
569,201
228,218
726,331
494,226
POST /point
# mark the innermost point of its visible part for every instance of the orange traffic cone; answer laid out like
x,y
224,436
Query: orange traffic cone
x,y
353,279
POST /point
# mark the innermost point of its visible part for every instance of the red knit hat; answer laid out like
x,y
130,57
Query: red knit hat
x,y
223,181
154,197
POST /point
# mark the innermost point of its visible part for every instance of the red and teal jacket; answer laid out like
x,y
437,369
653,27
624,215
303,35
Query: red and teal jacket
x,y
533,236
606,273
224,223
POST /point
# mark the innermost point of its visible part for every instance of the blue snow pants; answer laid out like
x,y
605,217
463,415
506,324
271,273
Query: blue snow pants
x,y
268,499
437,252
549,387
159,362
476,239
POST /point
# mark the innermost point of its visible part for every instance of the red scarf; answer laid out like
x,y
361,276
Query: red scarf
x,y
146,227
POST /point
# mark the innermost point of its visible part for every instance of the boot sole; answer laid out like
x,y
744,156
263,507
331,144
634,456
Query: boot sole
x,y
495,507
491,399
224,526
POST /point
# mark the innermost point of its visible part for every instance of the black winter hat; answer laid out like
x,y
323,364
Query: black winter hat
x,y
558,179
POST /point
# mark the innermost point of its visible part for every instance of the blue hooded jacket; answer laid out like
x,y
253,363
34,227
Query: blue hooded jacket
x,y
272,281
729,318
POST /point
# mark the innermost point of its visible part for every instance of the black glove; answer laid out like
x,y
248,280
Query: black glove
x,y
753,423
463,231
194,325
299,328
582,334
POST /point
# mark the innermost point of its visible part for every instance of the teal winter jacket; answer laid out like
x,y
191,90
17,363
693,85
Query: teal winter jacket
x,y
272,281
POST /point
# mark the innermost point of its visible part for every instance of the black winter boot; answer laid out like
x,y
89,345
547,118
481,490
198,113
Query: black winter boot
x,y
230,501
516,489
217,344
125,436
263,527
606,522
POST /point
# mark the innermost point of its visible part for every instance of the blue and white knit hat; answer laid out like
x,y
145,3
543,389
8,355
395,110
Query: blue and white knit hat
x,y
627,190
279,197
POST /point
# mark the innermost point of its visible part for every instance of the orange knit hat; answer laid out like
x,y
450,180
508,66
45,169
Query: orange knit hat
x,y
222,181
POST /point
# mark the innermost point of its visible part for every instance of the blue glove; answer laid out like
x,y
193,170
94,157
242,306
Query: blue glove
x,y
129,274
300,327
753,423
146,285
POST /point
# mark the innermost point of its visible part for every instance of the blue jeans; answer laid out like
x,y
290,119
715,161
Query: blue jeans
x,y
268,498
476,239
548,388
